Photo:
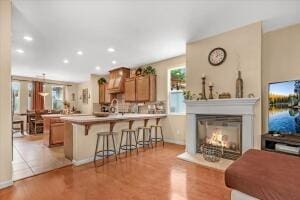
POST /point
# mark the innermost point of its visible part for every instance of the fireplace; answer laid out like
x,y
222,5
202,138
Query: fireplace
x,y
224,131
242,108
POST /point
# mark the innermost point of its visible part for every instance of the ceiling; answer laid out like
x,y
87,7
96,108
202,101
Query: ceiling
x,y
140,31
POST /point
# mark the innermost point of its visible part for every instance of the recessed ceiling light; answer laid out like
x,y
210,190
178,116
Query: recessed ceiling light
x,y
111,49
66,61
98,68
20,51
79,53
114,62
27,38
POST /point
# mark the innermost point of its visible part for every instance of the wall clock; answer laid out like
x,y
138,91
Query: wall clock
x,y
217,56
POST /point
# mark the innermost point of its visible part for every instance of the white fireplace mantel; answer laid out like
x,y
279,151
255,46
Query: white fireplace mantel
x,y
236,106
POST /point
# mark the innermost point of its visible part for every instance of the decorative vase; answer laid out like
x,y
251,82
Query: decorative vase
x,y
239,86
203,97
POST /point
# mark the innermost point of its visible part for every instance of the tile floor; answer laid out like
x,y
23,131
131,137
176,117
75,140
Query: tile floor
x,y
31,157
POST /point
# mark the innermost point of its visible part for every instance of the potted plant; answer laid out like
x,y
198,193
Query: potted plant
x,y
102,81
66,104
187,95
149,70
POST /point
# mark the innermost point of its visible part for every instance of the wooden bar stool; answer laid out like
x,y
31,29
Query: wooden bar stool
x,y
128,146
105,152
146,134
156,138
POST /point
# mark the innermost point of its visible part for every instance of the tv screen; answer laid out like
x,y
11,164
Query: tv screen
x,y
284,106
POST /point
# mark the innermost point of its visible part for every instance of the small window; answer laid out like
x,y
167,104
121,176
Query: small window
x,y
16,97
177,85
57,97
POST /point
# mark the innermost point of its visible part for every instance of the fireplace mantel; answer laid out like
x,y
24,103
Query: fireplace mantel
x,y
235,106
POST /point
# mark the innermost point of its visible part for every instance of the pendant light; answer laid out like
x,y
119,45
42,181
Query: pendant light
x,y
44,94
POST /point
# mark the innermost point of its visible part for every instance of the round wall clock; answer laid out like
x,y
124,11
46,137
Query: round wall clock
x,y
217,56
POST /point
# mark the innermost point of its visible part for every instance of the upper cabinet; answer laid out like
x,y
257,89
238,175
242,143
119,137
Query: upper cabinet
x,y
140,89
117,80
130,90
104,95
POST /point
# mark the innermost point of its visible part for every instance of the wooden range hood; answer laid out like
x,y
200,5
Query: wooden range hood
x,y
117,80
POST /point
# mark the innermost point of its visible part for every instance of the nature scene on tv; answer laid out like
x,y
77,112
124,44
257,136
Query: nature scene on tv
x,y
284,106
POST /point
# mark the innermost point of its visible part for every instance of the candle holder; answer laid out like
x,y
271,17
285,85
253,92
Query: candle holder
x,y
203,89
210,92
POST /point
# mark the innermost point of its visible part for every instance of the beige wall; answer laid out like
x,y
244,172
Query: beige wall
x,y
84,108
243,46
69,90
5,92
174,125
92,85
280,52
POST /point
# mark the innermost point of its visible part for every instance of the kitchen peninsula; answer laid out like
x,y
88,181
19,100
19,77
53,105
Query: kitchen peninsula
x,y
81,132
54,129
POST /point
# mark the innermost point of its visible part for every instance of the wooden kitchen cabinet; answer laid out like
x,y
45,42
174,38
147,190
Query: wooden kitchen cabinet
x,y
146,88
130,90
104,94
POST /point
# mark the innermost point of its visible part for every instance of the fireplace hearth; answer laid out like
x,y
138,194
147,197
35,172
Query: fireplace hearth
x,y
224,131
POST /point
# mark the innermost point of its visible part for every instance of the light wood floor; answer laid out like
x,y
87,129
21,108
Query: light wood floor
x,y
153,174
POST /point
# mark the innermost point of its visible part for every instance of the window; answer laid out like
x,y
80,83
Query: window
x,y
57,97
16,96
176,87
30,92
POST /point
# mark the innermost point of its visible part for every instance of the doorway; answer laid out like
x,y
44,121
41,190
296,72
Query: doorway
x,y
32,155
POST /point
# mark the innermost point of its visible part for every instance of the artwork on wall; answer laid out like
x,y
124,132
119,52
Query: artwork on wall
x,y
73,96
85,93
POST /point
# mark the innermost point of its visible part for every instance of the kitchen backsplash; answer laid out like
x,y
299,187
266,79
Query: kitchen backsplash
x,y
149,107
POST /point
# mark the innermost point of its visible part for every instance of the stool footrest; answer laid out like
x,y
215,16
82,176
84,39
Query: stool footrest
x,y
109,152
147,128
128,147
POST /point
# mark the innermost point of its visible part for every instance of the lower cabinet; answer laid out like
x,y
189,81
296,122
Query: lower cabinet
x,y
140,89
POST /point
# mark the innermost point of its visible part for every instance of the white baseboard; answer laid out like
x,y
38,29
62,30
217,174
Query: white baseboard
x,y
84,161
91,159
174,141
5,184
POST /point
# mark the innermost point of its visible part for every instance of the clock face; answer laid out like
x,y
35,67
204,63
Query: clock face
x,y
217,56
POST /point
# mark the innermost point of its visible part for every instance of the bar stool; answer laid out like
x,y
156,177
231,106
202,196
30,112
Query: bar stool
x,y
105,152
128,146
144,141
156,138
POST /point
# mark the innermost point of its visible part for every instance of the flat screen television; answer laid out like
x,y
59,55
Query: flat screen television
x,y
284,107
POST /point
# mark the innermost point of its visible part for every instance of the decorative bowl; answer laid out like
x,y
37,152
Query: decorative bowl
x,y
101,114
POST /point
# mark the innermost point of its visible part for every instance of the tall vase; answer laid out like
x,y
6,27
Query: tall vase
x,y
239,86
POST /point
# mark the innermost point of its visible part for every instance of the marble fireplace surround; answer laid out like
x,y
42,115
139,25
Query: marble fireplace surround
x,y
235,106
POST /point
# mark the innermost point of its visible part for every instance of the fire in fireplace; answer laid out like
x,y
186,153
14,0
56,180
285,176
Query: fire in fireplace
x,y
224,131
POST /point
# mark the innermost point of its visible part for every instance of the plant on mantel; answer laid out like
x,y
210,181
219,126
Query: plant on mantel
x,y
189,96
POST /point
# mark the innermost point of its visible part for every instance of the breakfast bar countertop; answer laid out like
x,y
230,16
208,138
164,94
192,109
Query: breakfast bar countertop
x,y
62,115
111,118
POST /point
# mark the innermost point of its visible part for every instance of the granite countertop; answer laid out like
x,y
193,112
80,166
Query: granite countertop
x,y
112,117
